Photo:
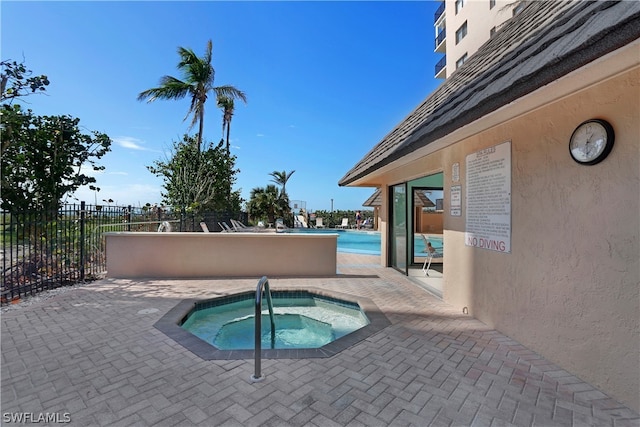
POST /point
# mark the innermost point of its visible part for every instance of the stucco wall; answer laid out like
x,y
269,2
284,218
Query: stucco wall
x,y
570,288
430,222
190,255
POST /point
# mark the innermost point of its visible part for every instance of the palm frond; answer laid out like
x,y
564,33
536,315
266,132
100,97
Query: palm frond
x,y
207,55
187,57
230,92
170,88
193,110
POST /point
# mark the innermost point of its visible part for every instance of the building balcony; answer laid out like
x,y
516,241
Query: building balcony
x,y
439,12
441,68
441,46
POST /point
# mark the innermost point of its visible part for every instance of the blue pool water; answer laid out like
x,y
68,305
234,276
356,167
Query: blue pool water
x,y
367,242
307,322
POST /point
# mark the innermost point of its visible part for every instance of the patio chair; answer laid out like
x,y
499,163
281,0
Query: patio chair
x,y
165,226
204,227
225,227
300,222
345,223
431,254
280,227
319,223
237,225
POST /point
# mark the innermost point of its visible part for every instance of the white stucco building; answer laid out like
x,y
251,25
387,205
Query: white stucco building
x,y
462,26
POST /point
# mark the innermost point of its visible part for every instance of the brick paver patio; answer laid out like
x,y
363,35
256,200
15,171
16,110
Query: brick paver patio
x,y
91,356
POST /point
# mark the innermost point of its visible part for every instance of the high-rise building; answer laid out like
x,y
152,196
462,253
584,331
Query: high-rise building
x,y
462,26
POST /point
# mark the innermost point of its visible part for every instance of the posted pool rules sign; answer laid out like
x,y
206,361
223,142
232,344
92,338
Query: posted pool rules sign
x,y
488,196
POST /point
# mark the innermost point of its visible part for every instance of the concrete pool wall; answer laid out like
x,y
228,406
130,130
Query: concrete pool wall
x,y
201,255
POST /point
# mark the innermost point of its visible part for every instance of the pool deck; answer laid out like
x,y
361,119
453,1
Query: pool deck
x,y
92,355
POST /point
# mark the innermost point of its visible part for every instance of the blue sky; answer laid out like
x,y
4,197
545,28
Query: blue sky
x,y
325,82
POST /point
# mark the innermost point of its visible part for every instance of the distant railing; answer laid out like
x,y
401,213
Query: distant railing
x,y
47,250
440,38
441,64
439,12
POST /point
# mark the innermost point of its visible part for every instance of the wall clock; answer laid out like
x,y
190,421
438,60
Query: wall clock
x,y
591,142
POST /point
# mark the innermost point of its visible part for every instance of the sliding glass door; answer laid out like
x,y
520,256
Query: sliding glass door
x,y
398,229
416,216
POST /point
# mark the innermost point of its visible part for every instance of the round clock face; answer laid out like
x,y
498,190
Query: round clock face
x,y
591,142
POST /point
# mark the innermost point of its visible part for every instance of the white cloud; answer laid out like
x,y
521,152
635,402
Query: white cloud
x,y
133,194
130,143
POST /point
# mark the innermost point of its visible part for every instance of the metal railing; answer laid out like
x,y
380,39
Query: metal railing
x,y
439,12
47,250
441,64
262,283
440,38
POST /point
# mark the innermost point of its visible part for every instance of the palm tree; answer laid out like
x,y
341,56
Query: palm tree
x,y
198,77
281,178
227,106
263,202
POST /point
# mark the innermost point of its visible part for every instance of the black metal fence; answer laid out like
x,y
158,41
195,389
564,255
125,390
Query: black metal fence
x,y
43,250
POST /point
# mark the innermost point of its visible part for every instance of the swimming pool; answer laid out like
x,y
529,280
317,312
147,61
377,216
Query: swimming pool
x,y
368,242
359,242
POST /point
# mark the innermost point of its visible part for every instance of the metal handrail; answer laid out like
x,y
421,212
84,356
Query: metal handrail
x,y
262,283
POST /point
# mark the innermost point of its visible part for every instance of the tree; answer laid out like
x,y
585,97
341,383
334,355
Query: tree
x,y
227,106
264,203
281,179
17,81
198,79
195,181
44,158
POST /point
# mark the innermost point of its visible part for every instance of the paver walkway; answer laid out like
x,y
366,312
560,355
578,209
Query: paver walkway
x,y
91,356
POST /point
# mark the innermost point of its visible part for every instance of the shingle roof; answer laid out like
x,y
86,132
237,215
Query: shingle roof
x,y
546,41
374,200
421,199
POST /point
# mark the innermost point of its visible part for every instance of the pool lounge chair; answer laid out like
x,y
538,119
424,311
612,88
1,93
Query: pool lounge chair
x,y
300,222
225,227
238,226
204,227
345,223
431,254
319,223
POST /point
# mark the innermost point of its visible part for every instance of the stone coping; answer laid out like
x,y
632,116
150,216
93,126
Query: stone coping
x,y
170,323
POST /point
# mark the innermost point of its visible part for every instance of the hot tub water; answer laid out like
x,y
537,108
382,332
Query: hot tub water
x,y
301,322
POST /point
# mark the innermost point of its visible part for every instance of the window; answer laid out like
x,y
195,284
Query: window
x,y
459,5
492,3
461,61
462,31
